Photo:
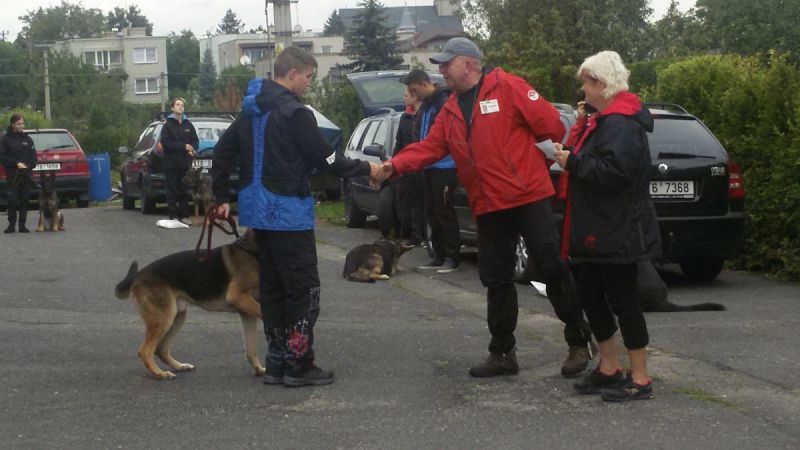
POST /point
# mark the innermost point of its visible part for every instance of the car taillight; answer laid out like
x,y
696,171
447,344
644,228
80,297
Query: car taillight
x,y
735,182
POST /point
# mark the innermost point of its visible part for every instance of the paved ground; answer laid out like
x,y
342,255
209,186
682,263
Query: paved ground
x,y
400,350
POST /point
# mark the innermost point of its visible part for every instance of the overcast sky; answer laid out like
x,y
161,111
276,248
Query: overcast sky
x,y
202,16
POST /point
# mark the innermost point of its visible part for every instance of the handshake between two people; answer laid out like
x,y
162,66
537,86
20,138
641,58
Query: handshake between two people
x,y
378,173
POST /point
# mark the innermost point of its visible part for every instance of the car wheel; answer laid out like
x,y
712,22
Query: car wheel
x,y
148,204
702,269
128,202
522,270
353,218
387,219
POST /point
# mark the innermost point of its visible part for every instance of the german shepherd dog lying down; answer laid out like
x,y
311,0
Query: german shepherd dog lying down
x,y
651,292
227,281
377,261
50,218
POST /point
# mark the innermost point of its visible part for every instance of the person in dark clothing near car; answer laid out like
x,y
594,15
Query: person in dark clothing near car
x,y
409,193
440,179
179,141
490,127
611,223
18,156
277,145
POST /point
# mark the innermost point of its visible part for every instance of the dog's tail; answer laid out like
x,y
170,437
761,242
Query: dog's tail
x,y
123,289
672,307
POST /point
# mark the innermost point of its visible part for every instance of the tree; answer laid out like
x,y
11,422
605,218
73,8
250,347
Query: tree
x,y
231,86
334,26
207,79
678,34
62,22
230,24
13,86
183,59
119,18
371,44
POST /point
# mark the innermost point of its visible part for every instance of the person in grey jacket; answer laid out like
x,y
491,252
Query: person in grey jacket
x,y
18,156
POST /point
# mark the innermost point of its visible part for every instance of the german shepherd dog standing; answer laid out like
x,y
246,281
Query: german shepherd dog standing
x,y
50,218
200,185
227,281
377,261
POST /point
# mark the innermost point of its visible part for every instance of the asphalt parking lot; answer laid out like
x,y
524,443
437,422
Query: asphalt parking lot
x,y
400,350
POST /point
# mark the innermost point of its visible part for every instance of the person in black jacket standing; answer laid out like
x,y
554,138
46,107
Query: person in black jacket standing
x,y
18,155
611,223
277,144
409,188
179,141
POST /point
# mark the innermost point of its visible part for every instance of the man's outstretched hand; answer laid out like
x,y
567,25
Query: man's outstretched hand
x,y
379,173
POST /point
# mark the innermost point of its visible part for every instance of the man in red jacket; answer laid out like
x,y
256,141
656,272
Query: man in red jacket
x,y
490,126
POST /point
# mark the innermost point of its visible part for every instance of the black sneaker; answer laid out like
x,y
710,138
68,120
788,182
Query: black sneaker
x,y
10,229
496,365
434,264
596,380
307,376
22,229
627,391
274,376
449,266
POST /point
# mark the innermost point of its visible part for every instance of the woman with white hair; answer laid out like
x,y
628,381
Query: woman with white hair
x,y
610,223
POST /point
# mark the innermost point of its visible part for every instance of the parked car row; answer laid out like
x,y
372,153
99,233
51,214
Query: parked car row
x,y
697,190
58,151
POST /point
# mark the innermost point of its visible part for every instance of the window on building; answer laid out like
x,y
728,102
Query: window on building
x,y
327,49
102,59
144,55
147,85
255,53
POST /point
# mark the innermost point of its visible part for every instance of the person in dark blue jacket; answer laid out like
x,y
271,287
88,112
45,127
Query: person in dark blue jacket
x,y
179,141
440,178
277,144
18,156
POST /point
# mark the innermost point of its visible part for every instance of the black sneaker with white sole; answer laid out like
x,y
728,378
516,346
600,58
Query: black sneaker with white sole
x,y
310,375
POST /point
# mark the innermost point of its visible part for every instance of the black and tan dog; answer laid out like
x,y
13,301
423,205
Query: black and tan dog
x,y
376,261
50,218
227,281
200,185
651,293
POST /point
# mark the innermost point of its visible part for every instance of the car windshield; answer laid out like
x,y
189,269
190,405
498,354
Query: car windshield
x,y
387,90
682,138
52,141
209,133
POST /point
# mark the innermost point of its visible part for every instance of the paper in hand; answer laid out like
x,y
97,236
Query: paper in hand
x,y
548,148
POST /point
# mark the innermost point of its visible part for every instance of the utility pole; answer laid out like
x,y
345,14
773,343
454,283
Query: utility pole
x,y
162,87
269,50
46,48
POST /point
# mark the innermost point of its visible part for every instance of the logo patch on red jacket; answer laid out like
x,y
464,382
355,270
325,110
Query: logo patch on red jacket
x,y
533,95
589,241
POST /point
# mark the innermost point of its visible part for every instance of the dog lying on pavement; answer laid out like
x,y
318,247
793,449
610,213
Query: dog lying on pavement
x,y
227,281
377,261
50,218
651,292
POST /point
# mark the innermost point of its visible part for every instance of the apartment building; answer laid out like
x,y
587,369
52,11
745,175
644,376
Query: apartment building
x,y
143,58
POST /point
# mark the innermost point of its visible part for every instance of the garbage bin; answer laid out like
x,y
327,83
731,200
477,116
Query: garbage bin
x,y
100,176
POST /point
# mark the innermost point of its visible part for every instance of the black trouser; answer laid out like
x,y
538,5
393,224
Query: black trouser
x,y
19,195
498,233
289,295
440,211
410,203
611,288
177,197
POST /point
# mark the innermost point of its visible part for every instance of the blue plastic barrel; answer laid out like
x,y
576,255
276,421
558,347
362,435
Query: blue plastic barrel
x,y
100,176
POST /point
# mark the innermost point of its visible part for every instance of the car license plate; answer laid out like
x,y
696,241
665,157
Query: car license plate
x,y
41,167
672,189
201,164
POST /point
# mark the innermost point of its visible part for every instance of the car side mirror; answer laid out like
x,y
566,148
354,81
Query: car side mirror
x,y
123,149
375,150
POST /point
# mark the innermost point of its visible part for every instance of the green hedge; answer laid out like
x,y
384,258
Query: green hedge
x,y
751,104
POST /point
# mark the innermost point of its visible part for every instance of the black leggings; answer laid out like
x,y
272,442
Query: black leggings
x,y
606,290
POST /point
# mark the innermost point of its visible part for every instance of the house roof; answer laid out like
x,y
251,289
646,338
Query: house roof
x,y
425,18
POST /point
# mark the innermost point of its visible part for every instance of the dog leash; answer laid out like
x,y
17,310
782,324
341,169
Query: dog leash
x,y
213,220
21,176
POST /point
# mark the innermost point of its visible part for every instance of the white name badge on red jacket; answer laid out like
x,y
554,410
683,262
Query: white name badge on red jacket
x,y
489,106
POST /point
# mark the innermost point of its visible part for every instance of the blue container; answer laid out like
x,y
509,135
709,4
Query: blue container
x,y
100,176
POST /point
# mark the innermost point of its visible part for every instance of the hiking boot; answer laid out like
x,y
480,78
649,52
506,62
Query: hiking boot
x,y
22,229
10,229
596,380
433,264
274,375
497,364
449,266
577,359
310,375
627,391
